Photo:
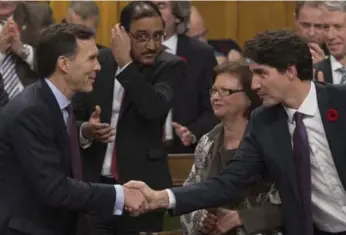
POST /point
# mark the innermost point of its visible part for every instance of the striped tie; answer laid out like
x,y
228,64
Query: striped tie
x,y
11,80
343,75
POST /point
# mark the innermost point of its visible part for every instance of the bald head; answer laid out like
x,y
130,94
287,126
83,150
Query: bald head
x,y
197,28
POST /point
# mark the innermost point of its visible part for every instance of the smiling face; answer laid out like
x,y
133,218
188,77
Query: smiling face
x,y
80,70
335,31
227,97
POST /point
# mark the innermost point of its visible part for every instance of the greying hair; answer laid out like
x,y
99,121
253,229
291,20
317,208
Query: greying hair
x,y
85,9
334,5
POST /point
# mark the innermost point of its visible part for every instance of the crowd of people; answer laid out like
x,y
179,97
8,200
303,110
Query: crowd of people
x,y
86,129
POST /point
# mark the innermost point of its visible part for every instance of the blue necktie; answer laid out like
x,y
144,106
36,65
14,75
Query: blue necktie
x,y
301,153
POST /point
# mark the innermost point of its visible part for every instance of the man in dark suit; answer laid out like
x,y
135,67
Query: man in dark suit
x,y
134,91
191,115
40,169
20,27
309,175
333,67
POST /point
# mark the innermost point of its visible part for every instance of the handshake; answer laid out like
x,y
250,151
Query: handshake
x,y
140,198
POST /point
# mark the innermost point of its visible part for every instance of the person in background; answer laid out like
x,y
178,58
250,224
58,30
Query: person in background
x,y
20,24
333,66
198,31
309,24
232,100
122,137
191,115
84,12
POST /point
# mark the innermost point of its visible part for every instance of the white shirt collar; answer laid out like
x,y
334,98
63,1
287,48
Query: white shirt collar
x,y
335,64
171,44
309,106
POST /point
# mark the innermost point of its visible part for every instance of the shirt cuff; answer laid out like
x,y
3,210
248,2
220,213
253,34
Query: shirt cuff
x,y
84,142
30,59
119,70
119,200
171,199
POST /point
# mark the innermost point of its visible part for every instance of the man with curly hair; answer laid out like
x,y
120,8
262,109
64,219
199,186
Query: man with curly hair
x,y
297,137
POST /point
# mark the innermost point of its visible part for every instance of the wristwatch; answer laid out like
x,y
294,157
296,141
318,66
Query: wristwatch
x,y
25,52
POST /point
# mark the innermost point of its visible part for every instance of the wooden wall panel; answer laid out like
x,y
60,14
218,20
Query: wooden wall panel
x,y
239,20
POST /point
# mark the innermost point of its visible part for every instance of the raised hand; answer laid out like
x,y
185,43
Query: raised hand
x,y
185,135
95,129
154,199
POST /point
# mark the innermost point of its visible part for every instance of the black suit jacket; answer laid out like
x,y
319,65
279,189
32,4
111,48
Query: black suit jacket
x,y
267,146
326,67
38,195
192,107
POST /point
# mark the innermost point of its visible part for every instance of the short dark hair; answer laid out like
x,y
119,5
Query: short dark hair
x,y
240,69
85,9
281,49
301,4
136,10
58,40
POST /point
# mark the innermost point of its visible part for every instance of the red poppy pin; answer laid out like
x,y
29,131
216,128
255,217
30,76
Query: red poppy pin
x,y
183,58
332,115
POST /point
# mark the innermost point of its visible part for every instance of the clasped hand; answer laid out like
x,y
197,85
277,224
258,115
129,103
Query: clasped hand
x,y
140,198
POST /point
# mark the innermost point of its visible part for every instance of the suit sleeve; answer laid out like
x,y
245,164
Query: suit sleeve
x,y
245,168
206,120
39,157
152,101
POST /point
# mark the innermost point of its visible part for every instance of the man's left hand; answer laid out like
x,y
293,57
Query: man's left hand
x,y
185,135
121,45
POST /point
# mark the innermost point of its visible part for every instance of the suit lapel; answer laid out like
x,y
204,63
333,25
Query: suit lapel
x,y
61,128
335,130
283,146
327,71
182,46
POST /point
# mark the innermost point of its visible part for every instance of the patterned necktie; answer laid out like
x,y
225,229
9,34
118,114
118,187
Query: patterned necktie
x,y
74,144
301,153
343,75
12,83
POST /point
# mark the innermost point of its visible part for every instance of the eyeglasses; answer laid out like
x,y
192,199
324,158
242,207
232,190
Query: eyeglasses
x,y
145,37
224,92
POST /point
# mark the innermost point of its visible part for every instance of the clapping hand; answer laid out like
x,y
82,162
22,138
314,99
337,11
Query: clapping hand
x,y
102,132
153,199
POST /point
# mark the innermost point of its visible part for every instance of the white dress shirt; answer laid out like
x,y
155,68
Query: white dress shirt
x,y
171,47
118,93
335,65
328,195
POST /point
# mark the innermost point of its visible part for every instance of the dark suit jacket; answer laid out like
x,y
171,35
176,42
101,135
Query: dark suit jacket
x,y
267,146
31,18
149,94
326,68
3,94
38,195
192,107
